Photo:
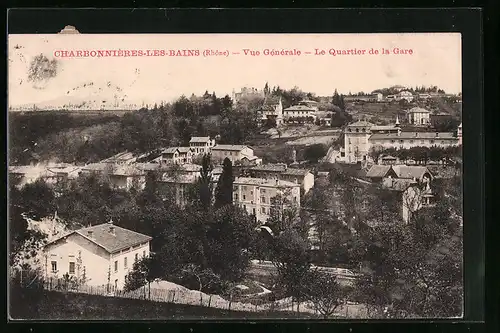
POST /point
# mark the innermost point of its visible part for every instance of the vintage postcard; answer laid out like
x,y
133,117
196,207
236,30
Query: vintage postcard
x,y
232,176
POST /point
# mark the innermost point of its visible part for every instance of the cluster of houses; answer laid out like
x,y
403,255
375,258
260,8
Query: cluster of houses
x,y
399,96
305,111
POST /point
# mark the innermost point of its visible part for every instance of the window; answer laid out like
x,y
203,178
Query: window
x,y
144,253
254,211
71,267
244,197
263,199
125,262
136,256
411,141
263,210
400,141
392,141
54,266
442,142
116,266
432,141
422,141
236,196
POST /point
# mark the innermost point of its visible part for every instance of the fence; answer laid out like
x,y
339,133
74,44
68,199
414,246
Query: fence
x,y
190,297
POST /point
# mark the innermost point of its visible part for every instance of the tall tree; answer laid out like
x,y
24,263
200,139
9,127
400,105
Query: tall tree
x,y
224,191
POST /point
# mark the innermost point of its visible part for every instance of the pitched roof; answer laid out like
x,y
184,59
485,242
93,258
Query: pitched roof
x,y
123,156
270,168
230,147
199,139
95,167
418,110
414,136
360,123
172,150
296,172
300,108
264,182
378,171
112,242
410,171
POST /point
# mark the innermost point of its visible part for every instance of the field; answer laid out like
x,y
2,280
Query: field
x,y
54,305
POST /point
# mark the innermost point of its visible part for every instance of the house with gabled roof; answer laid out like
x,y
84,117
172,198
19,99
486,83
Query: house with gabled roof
x,y
176,155
103,253
281,171
201,144
232,152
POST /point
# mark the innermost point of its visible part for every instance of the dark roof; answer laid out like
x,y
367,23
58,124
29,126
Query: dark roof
x,y
230,147
296,172
378,171
414,136
300,108
172,150
199,139
410,171
101,236
361,123
269,167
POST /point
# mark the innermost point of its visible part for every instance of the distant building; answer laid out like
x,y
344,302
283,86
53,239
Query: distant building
x,y
271,110
104,253
405,95
418,116
246,92
201,144
127,177
255,195
303,111
375,97
424,96
177,155
233,152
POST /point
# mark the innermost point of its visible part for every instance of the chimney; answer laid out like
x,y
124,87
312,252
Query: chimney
x,y
277,182
399,131
437,134
112,230
90,233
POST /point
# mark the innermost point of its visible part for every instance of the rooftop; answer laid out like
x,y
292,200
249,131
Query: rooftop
x,y
172,150
418,110
230,147
296,172
378,171
119,240
414,135
410,171
270,167
264,182
123,156
361,123
300,108
199,139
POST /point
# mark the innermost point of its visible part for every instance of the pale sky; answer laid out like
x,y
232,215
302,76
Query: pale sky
x,y
436,60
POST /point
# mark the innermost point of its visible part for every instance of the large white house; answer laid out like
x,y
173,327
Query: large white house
x,y
303,177
233,152
103,253
201,144
419,116
177,155
255,195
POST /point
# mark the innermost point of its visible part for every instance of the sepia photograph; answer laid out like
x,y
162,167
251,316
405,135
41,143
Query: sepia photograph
x,y
234,176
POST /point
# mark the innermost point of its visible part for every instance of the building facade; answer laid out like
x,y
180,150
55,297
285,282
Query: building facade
x,y
103,253
303,177
177,155
255,195
419,116
201,145
233,152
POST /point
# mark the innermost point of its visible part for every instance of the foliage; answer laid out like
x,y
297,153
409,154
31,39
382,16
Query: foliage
x,y
315,152
32,201
224,190
325,293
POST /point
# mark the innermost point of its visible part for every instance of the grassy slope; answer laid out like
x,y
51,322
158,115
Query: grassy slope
x,y
52,305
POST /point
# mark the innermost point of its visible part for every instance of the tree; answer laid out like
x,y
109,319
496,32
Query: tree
x,y
144,271
325,293
224,190
315,152
204,184
290,256
33,201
